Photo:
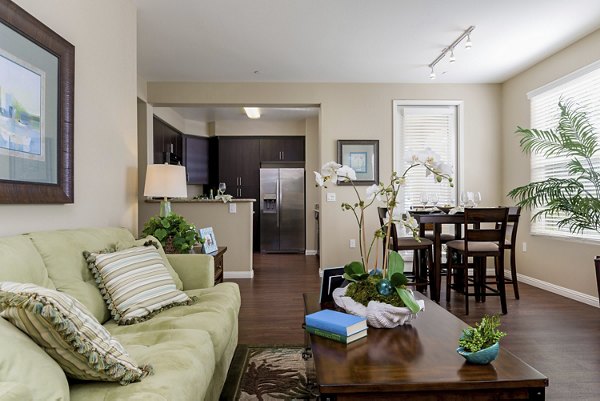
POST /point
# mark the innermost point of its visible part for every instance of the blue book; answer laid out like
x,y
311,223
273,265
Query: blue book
x,y
336,322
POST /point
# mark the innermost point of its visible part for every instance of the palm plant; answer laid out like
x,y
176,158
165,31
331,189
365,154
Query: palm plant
x,y
574,200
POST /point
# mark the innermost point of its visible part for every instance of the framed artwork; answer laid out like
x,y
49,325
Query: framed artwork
x,y
363,157
36,110
210,243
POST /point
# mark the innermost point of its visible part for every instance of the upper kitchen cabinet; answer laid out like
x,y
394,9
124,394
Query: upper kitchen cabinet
x,y
195,159
168,142
282,148
235,161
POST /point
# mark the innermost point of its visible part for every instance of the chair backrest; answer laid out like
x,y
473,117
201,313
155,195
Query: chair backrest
x,y
514,213
475,232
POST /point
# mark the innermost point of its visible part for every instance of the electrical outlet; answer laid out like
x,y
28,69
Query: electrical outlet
x,y
352,243
331,197
524,246
232,208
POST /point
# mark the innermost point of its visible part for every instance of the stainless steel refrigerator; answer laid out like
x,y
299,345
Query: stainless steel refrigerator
x,y
282,214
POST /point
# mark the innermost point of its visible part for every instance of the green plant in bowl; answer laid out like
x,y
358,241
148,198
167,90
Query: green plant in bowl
x,y
173,231
480,344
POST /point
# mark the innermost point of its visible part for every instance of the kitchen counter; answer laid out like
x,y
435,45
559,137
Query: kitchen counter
x,y
231,223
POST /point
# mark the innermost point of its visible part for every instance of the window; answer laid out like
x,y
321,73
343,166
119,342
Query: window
x,y
583,88
419,125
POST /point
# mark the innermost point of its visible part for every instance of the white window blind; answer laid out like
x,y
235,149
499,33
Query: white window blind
x,y
584,90
423,127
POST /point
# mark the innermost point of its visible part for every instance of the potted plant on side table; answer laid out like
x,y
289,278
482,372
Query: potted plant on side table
x,y
174,233
574,200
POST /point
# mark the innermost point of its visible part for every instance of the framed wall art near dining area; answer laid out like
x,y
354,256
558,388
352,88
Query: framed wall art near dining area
x,y
363,157
36,110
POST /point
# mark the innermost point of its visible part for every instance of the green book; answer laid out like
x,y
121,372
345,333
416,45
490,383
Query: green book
x,y
337,337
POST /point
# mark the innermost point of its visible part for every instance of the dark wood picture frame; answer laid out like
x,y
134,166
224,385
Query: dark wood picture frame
x,y
367,151
11,192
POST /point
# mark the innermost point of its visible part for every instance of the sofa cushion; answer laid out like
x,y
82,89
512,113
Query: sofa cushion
x,y
25,366
183,362
22,263
216,312
135,283
68,333
150,239
61,251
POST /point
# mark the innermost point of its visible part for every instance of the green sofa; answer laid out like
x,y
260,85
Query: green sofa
x,y
190,347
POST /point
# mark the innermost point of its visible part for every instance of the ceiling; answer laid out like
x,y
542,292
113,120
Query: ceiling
x,y
352,40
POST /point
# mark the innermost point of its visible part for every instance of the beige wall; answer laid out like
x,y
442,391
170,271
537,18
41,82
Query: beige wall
x,y
361,111
105,169
258,127
561,262
312,192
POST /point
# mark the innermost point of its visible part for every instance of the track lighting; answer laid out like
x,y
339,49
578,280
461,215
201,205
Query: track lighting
x,y
450,49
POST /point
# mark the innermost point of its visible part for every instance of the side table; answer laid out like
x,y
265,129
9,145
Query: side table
x,y
218,257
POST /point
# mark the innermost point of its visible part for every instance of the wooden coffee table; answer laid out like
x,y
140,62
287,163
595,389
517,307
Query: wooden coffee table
x,y
417,362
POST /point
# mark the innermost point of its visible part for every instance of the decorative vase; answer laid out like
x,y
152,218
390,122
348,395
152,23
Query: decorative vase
x,y
378,314
481,357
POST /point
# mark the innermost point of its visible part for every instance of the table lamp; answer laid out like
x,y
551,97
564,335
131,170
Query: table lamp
x,y
166,181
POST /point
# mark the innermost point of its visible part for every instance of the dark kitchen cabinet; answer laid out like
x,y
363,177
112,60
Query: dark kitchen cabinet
x,y
195,159
166,139
236,162
286,148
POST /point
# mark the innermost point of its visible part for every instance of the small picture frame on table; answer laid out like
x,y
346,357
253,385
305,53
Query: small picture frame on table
x,y
210,243
333,278
363,157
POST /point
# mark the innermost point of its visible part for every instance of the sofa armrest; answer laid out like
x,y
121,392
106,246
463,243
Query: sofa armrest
x,y
195,271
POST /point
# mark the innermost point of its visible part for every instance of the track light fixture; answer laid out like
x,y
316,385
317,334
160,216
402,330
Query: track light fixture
x,y
450,49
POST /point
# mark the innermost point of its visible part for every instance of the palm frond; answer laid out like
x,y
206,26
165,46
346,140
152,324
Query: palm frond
x,y
578,132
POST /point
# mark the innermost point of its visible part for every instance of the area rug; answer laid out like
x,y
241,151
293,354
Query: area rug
x,y
266,372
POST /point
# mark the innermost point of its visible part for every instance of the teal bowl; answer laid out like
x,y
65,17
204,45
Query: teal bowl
x,y
481,357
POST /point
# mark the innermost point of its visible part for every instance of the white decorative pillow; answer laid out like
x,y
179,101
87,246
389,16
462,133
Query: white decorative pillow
x,y
68,333
135,283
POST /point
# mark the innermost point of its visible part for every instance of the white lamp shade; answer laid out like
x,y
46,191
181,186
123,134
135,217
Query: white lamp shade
x,y
165,180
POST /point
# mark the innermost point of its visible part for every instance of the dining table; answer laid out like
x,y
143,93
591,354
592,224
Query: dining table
x,y
437,219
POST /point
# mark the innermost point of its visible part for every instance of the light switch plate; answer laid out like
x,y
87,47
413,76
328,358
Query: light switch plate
x,y
331,197
232,208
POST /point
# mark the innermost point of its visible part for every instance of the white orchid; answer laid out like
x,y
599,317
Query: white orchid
x,y
346,173
390,194
374,191
319,179
329,170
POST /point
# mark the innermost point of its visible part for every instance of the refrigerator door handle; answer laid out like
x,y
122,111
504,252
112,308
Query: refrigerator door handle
x,y
278,201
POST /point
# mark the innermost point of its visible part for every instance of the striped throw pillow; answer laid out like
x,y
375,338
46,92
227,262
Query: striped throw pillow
x,y
135,283
63,327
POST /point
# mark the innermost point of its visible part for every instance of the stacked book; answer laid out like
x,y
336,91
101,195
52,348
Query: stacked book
x,y
338,326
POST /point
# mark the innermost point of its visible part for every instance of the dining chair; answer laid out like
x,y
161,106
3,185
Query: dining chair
x,y
510,244
484,236
422,264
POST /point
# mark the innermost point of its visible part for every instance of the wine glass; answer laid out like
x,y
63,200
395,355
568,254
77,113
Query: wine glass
x,y
463,198
477,198
222,188
424,198
434,199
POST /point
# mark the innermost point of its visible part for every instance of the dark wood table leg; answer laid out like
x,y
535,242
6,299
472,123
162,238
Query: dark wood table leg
x,y
437,265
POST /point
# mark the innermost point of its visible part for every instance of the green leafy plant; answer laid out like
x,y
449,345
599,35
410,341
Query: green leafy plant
x,y
483,335
182,234
576,199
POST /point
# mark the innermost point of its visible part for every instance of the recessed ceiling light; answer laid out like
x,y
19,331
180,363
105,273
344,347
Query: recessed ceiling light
x,y
252,112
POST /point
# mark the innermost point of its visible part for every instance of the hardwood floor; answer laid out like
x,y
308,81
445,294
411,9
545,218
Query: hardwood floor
x,y
558,336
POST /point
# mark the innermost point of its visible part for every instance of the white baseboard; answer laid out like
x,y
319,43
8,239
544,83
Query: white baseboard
x,y
311,252
557,289
242,274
